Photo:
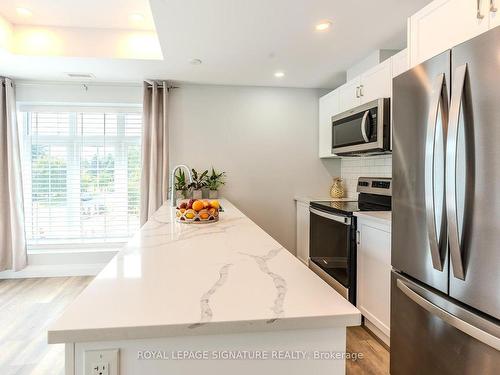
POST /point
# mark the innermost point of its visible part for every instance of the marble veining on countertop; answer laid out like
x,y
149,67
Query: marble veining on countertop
x,y
175,279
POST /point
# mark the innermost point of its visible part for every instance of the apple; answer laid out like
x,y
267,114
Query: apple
x,y
183,205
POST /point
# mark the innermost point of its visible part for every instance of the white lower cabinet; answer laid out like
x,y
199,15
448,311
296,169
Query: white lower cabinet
x,y
373,295
302,233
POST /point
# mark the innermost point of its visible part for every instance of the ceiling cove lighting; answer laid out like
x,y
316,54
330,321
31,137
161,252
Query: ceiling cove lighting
x,y
323,26
24,12
279,74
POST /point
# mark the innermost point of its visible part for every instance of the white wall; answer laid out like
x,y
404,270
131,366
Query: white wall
x,y
266,139
73,92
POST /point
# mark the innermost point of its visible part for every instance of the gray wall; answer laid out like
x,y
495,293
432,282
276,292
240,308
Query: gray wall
x,y
266,139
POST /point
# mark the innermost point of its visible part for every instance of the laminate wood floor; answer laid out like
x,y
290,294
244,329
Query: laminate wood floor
x,y
28,306
375,359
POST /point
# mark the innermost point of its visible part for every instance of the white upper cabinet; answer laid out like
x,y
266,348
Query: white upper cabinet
x,y
349,96
400,63
376,82
494,13
328,107
445,23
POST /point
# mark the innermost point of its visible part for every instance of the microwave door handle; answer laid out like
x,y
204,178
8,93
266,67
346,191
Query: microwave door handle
x,y
363,126
451,172
439,98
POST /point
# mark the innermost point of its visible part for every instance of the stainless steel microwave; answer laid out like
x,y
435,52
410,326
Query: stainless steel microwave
x,y
364,129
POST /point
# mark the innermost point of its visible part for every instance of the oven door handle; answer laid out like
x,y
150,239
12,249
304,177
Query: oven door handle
x,y
341,219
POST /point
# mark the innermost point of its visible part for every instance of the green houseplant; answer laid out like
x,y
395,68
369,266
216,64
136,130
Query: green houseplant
x,y
199,182
180,185
214,182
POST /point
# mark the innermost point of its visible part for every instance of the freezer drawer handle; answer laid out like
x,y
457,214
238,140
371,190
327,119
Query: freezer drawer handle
x,y
451,319
340,219
437,245
451,172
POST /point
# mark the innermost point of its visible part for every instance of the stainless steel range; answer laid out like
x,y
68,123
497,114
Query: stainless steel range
x,y
332,243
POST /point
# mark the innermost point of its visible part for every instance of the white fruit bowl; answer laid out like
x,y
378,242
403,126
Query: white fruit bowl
x,y
206,215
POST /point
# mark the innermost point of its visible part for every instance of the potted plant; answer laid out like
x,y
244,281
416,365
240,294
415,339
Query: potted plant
x,y
180,185
214,182
199,182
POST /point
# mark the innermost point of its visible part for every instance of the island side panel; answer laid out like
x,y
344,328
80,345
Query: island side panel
x,y
308,342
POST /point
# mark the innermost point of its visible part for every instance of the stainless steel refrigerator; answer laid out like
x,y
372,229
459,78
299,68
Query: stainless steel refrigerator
x,y
445,291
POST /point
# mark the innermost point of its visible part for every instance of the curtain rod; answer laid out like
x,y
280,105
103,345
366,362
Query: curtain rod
x,y
150,83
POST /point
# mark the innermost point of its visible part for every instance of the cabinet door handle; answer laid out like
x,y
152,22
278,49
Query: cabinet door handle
x,y
493,8
358,237
479,15
357,91
361,91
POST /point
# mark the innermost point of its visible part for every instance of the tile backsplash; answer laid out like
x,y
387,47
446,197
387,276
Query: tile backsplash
x,y
370,166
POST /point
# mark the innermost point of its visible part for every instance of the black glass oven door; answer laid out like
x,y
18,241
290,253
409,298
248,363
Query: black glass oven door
x,y
329,244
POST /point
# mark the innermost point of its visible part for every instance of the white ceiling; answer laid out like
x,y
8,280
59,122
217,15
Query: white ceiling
x,y
106,14
240,41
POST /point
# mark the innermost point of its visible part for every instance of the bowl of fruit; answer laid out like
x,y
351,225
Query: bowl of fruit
x,y
197,211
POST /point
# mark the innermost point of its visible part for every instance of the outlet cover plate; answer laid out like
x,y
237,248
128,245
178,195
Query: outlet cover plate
x,y
102,361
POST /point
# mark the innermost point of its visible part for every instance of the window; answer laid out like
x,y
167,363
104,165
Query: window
x,y
81,175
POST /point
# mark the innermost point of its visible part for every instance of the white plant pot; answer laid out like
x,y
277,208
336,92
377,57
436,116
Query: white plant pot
x,y
197,194
213,194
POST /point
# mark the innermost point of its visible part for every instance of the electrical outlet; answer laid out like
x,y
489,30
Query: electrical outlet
x,y
101,362
100,369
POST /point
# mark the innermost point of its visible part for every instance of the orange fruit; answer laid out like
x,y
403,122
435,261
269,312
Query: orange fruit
x,y
206,204
204,215
215,204
198,205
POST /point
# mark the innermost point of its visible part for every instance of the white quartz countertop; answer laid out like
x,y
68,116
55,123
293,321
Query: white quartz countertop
x,y
176,279
383,217
330,199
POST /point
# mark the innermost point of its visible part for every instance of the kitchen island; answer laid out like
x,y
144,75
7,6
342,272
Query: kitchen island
x,y
221,298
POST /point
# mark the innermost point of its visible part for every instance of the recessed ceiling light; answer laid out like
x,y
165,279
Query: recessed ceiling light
x,y
136,17
279,74
25,12
195,61
81,75
323,25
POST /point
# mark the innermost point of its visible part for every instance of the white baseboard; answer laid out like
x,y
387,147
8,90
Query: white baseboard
x,y
377,332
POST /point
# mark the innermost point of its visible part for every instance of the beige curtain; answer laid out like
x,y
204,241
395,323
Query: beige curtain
x,y
154,173
12,236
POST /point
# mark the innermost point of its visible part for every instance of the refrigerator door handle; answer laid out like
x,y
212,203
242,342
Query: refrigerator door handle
x,y
451,172
462,325
439,99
